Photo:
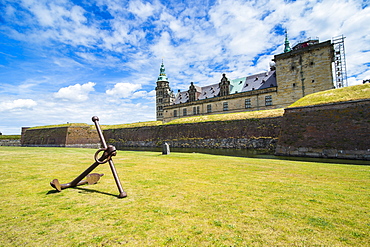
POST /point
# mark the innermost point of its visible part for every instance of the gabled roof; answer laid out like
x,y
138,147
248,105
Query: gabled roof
x,y
181,97
239,85
209,91
260,81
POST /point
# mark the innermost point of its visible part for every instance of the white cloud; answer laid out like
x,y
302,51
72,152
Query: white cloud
x,y
76,92
17,104
140,9
123,90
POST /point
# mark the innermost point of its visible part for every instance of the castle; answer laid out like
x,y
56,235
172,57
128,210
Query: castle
x,y
302,70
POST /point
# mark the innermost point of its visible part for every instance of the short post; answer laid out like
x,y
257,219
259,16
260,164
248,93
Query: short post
x,y
165,148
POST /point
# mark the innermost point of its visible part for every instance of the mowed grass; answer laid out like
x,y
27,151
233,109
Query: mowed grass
x,y
357,92
182,199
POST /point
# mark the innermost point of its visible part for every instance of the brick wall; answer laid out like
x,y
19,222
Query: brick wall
x,y
339,130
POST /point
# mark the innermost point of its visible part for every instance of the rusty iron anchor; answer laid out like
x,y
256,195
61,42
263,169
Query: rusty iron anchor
x,y
108,152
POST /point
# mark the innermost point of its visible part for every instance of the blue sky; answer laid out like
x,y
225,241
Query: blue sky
x,y
66,61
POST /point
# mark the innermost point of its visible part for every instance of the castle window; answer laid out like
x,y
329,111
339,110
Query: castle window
x,y
160,93
160,100
184,112
294,85
293,67
194,110
226,106
209,108
312,63
175,113
268,100
248,103
198,110
313,81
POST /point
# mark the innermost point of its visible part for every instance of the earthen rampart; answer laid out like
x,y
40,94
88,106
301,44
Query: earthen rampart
x,y
339,130
69,136
242,134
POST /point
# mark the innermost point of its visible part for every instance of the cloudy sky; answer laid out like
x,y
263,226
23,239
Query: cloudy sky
x,y
68,60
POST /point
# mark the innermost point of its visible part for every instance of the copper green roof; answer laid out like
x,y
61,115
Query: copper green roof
x,y
162,74
286,45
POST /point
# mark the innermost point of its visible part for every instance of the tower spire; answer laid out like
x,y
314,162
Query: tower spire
x,y
162,73
286,45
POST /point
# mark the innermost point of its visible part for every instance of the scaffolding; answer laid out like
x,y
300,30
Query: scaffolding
x,y
340,62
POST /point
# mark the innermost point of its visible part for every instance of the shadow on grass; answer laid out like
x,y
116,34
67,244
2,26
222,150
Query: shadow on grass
x,y
93,191
82,190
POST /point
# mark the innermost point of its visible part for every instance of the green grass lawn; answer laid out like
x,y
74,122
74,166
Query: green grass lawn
x,y
182,199
10,137
357,92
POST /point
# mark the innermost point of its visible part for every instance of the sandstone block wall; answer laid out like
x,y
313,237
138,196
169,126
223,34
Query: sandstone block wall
x,y
10,142
304,71
236,103
339,130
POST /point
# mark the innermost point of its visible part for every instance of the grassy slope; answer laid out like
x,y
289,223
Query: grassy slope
x,y
206,118
10,137
62,125
335,95
181,200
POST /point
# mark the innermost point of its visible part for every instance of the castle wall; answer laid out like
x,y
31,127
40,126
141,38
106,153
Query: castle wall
x,y
235,103
248,133
340,130
70,136
10,142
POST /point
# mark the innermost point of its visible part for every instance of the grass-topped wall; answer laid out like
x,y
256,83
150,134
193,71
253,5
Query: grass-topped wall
x,y
63,136
216,134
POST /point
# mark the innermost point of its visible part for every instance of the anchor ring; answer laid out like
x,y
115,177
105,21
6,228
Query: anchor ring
x,y
111,150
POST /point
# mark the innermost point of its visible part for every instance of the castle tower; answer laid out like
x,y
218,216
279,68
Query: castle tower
x,y
306,69
164,96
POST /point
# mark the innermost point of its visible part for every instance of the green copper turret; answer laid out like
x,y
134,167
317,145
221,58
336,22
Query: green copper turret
x,y
162,74
286,45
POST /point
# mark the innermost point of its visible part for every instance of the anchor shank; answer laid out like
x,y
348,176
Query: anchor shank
x,y
122,193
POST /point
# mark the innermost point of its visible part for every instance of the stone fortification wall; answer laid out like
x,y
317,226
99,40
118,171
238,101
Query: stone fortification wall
x,y
70,136
10,142
248,133
340,130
